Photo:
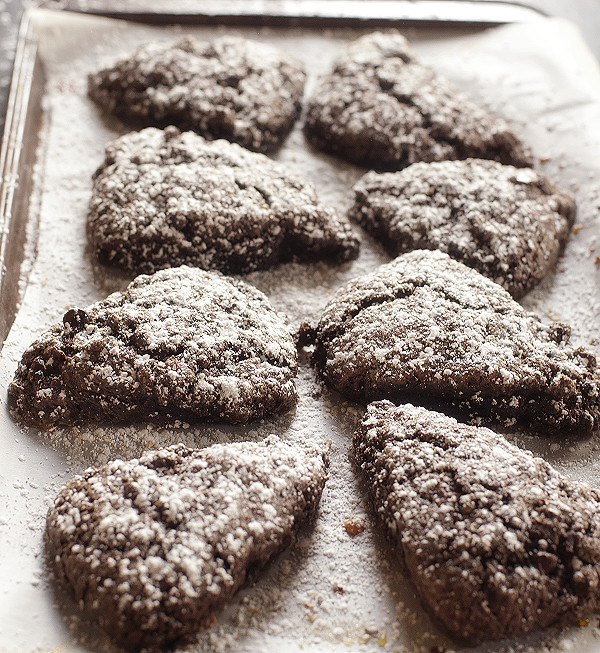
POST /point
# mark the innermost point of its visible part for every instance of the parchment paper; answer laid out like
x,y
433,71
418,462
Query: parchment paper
x,y
332,591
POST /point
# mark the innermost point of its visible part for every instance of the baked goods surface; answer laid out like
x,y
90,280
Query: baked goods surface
x,y
182,343
152,547
233,88
429,326
508,223
164,198
382,108
496,542
347,605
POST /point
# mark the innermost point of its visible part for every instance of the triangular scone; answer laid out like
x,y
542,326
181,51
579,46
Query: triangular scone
x,y
382,108
508,223
164,198
496,542
182,343
151,548
234,88
428,327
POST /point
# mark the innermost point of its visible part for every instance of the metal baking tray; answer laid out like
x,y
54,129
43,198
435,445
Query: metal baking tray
x,y
331,591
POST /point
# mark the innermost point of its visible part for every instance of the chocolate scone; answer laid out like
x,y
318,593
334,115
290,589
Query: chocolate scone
x,y
428,325
163,198
182,343
497,542
382,108
233,88
151,548
508,223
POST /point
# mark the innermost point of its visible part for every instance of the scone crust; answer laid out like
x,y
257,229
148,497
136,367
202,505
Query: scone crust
x,y
380,107
428,326
234,88
496,541
163,198
508,223
179,344
151,548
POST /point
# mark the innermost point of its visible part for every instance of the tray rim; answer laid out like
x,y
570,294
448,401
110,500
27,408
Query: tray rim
x,y
311,12
16,166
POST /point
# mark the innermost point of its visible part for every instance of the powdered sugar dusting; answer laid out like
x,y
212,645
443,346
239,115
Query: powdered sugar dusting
x,y
496,541
333,590
180,343
382,107
508,223
427,323
234,88
163,541
210,204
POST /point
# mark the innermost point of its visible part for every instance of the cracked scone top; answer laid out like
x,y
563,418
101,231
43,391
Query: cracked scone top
x,y
508,223
429,327
496,542
152,547
382,108
233,88
164,198
182,343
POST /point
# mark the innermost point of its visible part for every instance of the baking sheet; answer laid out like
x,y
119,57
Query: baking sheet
x,y
332,591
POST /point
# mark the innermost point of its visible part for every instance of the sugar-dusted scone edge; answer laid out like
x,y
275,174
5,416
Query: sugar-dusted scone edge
x,y
152,548
510,224
429,327
180,344
163,198
380,107
496,541
235,88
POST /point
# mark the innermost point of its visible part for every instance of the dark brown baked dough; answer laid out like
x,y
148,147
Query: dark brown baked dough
x,y
508,223
428,325
382,108
163,198
496,542
182,343
232,88
151,548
